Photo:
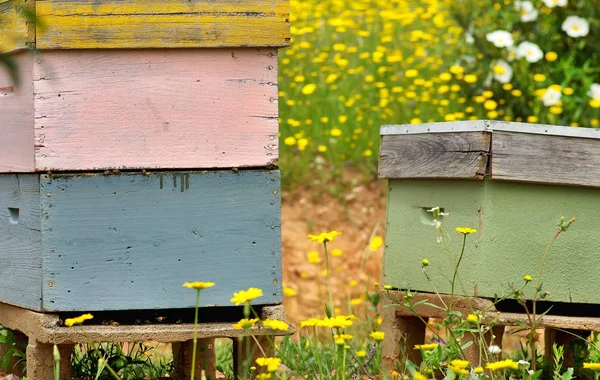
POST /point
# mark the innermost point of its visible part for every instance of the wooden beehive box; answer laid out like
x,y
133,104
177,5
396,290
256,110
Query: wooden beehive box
x,y
136,153
510,181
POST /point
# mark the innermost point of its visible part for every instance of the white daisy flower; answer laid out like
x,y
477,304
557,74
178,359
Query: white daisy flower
x,y
576,26
493,349
555,3
551,97
527,10
530,51
503,72
500,38
594,91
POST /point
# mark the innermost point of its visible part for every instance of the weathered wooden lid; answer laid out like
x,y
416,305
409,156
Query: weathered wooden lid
x,y
110,24
495,149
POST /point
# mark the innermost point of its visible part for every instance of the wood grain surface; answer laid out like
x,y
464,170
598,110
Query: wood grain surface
x,y
83,24
130,241
20,240
149,108
447,155
16,117
545,159
16,33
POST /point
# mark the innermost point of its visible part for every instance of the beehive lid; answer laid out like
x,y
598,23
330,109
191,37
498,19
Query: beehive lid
x,y
498,150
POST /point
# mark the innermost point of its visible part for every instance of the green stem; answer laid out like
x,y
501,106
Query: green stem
x,y
462,251
328,279
193,371
534,323
56,354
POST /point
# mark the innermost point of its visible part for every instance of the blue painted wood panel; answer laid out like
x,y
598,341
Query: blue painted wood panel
x,y
20,240
129,241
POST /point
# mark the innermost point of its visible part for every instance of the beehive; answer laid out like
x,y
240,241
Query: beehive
x,y
137,152
510,181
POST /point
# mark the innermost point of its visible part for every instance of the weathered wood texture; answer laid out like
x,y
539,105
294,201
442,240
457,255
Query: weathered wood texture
x,y
84,24
449,155
16,34
16,117
178,108
129,241
546,159
20,241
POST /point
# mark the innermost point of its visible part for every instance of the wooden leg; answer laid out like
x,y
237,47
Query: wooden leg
x,y
40,362
205,359
65,350
474,352
572,340
402,333
246,350
15,366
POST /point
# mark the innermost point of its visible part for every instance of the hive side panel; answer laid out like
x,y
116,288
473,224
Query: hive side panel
x,y
16,33
175,108
16,117
545,159
411,235
130,241
20,240
439,155
80,24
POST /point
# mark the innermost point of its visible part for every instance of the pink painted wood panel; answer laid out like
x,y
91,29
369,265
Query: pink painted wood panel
x,y
16,117
167,108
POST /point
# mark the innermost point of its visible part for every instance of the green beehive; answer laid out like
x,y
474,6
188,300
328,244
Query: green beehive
x,y
510,181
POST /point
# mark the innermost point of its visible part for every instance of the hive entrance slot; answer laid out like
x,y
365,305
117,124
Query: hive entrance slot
x,y
13,215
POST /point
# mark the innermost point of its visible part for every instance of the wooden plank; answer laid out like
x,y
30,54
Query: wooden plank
x,y
545,159
16,33
16,117
170,108
20,240
83,24
448,155
129,241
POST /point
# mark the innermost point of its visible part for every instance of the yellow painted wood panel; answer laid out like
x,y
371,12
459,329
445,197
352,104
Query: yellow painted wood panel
x,y
80,24
15,33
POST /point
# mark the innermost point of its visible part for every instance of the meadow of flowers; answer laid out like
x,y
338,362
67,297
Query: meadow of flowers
x,y
354,66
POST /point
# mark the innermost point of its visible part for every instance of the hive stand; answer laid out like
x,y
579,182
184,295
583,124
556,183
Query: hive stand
x,y
43,332
403,327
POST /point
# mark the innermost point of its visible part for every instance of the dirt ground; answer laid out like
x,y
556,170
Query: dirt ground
x,y
361,214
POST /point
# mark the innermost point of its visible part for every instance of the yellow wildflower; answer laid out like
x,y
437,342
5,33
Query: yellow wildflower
x,y
478,370
465,230
309,88
290,141
274,324
355,301
458,371
425,262
290,292
376,242
199,285
460,363
503,364
322,148
336,252
427,347
263,376
361,354
420,376
592,366
313,257
411,73
527,278
244,296
311,322
551,56
472,318
377,335
272,364
324,236
339,321
470,78
78,320
387,287
245,323
336,132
